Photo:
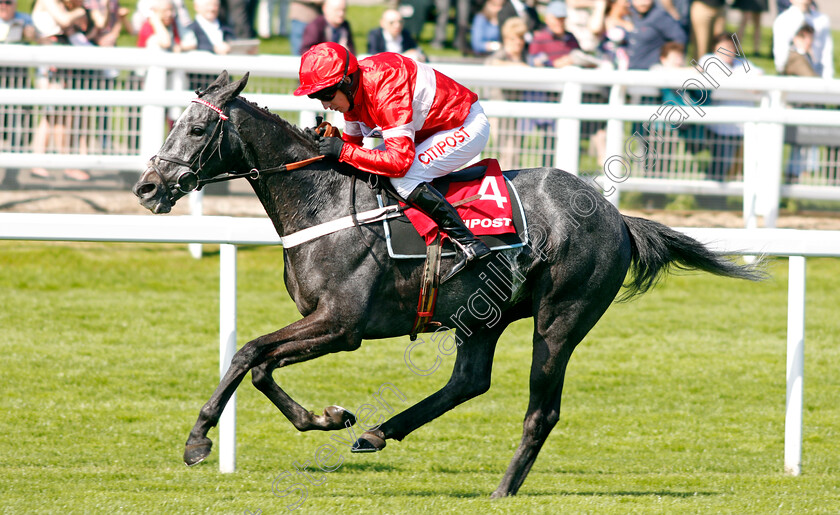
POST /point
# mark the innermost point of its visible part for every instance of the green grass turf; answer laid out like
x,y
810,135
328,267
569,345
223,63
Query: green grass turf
x,y
673,404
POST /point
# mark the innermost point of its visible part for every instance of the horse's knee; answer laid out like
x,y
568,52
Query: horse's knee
x,y
261,377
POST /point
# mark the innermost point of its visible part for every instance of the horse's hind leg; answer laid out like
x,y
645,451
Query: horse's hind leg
x,y
548,369
334,417
558,327
470,378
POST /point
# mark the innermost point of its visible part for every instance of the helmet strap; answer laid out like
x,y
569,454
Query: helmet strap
x,y
349,85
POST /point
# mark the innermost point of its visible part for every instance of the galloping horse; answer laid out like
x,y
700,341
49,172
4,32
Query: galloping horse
x,y
349,290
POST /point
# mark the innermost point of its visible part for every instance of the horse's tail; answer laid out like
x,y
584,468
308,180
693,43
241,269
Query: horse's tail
x,y
657,248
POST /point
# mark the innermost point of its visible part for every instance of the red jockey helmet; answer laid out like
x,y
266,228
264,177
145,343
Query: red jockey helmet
x,y
323,66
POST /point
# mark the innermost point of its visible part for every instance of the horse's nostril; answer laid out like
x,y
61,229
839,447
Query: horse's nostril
x,y
146,189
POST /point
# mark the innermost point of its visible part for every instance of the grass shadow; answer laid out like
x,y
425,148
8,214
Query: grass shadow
x,y
366,467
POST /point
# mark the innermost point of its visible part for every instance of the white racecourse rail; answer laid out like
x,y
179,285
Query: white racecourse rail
x,y
229,232
764,121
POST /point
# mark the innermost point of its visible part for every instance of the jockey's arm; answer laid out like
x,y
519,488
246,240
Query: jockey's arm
x,y
394,161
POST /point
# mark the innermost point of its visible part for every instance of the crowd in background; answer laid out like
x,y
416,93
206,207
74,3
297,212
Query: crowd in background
x,y
622,34
616,34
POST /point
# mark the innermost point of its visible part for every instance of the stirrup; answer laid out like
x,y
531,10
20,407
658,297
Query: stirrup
x,y
468,256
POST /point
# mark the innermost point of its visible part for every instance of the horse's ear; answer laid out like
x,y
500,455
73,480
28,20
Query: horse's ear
x,y
222,80
232,90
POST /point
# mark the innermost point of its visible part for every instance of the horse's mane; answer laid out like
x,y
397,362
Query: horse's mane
x,y
268,115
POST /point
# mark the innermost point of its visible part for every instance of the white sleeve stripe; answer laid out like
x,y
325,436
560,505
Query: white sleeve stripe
x,y
396,132
424,94
352,129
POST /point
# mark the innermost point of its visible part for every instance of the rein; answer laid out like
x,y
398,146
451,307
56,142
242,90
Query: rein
x,y
190,180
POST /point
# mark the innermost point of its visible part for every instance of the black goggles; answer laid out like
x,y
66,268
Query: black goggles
x,y
326,94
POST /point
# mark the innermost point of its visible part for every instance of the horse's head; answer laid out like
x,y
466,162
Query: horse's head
x,y
203,143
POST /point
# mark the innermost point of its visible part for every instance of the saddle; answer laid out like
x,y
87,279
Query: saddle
x,y
489,204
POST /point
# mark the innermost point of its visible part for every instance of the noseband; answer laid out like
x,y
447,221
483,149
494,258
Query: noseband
x,y
189,180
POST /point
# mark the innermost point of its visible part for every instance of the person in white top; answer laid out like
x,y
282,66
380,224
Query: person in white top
x,y
803,12
15,27
210,34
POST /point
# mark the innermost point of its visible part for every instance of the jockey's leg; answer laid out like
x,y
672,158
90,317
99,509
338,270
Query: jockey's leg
x,y
432,202
439,155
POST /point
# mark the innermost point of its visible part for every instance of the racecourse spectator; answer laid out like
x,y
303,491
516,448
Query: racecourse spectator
x,y
144,10
751,12
62,22
802,12
552,45
613,23
330,27
210,34
160,31
109,20
665,138
301,14
582,14
486,37
512,51
726,140
239,15
679,10
708,18
521,9
800,62
509,132
15,27
652,28
391,36
442,21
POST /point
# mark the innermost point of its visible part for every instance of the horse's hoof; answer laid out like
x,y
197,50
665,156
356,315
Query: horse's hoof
x,y
196,452
338,417
370,441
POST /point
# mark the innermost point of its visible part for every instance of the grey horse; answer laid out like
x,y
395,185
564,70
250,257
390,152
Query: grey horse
x,y
347,288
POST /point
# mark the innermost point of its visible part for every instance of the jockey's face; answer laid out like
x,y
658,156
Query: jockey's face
x,y
339,103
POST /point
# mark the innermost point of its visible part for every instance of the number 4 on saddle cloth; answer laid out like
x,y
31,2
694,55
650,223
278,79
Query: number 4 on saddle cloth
x,y
496,216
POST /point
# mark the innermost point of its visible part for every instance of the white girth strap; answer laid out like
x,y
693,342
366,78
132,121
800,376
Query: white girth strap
x,y
316,231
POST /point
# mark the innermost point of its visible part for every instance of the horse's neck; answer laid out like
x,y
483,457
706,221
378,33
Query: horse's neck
x,y
297,199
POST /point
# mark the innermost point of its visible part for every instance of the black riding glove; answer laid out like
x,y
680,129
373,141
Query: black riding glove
x,y
330,147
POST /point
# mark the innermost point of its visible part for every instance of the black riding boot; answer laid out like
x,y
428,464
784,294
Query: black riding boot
x,y
429,200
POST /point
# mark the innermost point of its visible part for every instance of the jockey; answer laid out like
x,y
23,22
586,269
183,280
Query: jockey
x,y
431,126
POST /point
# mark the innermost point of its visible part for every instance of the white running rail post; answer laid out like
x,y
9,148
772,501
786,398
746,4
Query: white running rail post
x,y
227,348
795,365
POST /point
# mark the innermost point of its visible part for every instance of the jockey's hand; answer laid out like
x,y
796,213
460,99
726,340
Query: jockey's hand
x,y
330,147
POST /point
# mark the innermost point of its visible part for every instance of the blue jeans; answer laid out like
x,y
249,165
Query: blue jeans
x,y
296,35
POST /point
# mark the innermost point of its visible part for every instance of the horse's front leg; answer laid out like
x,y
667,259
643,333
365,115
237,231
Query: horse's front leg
x,y
334,417
312,336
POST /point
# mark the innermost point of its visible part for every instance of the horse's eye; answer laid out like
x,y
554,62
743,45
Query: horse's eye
x,y
197,131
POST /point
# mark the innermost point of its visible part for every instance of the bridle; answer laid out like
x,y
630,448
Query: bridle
x,y
190,180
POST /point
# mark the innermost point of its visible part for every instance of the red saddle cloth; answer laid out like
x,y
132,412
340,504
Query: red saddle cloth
x,y
489,214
